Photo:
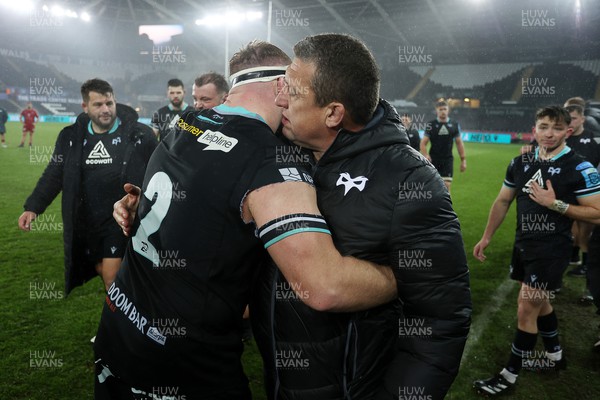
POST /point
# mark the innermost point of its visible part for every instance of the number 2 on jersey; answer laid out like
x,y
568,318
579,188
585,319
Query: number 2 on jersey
x,y
160,185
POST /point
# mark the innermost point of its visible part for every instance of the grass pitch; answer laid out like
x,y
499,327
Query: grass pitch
x,y
44,338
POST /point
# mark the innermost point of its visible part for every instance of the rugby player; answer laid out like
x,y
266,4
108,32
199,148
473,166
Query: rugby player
x,y
209,90
162,118
28,117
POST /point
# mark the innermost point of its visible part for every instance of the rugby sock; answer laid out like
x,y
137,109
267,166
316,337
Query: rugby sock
x,y
524,343
548,329
575,253
509,376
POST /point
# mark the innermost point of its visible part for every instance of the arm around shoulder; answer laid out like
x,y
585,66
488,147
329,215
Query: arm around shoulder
x,y
304,251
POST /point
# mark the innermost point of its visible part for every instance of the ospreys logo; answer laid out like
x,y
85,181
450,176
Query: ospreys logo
x,y
537,177
349,182
99,155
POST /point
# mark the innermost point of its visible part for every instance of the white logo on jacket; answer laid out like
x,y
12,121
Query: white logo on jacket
x,y
349,182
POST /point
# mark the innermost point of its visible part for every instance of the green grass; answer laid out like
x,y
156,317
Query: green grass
x,y
63,327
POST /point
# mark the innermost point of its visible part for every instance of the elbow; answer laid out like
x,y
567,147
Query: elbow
x,y
321,299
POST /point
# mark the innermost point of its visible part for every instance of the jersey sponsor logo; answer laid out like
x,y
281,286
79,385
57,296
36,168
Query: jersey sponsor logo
x,y
154,334
99,155
190,128
591,177
552,171
117,299
217,141
290,174
537,177
585,140
116,140
345,179
584,165
173,122
443,130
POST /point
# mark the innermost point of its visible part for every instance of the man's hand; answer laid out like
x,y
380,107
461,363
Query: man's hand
x,y
479,248
26,219
125,209
542,196
463,165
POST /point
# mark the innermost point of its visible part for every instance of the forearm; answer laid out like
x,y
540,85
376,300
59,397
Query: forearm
x,y
460,147
496,217
582,213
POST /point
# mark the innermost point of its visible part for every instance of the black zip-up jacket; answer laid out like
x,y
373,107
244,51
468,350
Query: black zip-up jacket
x,y
63,173
384,203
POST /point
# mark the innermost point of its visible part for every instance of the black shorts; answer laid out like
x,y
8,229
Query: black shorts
x,y
109,387
540,265
106,245
445,167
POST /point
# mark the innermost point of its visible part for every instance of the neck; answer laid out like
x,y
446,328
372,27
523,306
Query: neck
x,y
546,154
578,132
98,130
258,103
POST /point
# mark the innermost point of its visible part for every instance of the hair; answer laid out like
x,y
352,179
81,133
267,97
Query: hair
x,y
175,82
345,71
575,101
95,85
575,108
257,54
216,79
441,103
554,113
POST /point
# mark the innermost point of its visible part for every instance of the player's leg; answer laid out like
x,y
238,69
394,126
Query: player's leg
x,y
445,169
31,137
23,137
107,269
2,138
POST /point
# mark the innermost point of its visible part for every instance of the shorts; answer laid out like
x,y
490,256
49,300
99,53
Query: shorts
x,y
445,167
110,245
28,128
540,265
109,387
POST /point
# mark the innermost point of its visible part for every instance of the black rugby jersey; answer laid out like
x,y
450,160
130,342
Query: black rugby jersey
x,y
102,164
585,146
572,177
173,316
161,119
441,136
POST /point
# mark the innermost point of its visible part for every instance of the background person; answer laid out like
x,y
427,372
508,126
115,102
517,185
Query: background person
x,y
161,119
28,117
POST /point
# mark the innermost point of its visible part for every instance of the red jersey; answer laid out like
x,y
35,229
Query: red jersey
x,y
29,115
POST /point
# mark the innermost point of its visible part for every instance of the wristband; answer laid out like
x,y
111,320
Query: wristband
x,y
559,206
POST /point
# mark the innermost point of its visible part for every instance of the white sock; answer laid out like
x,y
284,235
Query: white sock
x,y
509,376
557,356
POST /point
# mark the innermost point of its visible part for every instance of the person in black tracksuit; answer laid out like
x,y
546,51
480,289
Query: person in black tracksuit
x,y
385,203
90,167
412,132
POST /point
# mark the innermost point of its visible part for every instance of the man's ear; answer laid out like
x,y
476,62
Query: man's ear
x,y
334,114
84,106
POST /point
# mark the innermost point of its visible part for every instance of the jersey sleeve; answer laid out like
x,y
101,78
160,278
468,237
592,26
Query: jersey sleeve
x,y
509,178
588,180
457,131
154,121
428,130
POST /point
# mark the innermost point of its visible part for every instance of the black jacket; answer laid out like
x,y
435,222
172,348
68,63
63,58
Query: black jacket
x,y
63,173
384,203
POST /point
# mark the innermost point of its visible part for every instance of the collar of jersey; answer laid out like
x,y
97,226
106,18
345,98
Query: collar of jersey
x,y
556,157
226,110
184,105
112,130
441,121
